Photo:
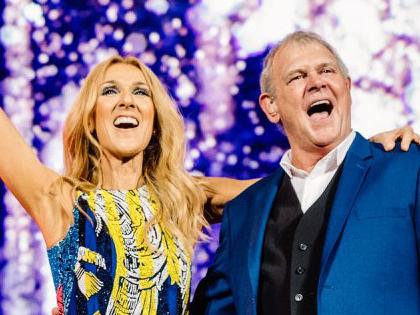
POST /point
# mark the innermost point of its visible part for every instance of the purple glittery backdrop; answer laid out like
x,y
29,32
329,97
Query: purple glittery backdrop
x,y
209,54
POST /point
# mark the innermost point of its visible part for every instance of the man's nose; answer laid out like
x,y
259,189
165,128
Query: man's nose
x,y
315,81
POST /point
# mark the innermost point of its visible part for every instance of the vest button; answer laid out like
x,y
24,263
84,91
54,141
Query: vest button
x,y
300,270
303,246
298,297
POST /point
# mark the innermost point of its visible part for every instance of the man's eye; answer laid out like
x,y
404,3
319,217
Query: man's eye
x,y
109,90
141,91
327,70
296,77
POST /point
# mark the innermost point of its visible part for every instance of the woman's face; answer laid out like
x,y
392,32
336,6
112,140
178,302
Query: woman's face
x,y
124,112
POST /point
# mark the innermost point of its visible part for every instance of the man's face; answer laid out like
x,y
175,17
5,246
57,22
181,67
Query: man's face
x,y
312,97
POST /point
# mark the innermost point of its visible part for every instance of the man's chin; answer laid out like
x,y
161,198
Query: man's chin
x,y
330,141
325,140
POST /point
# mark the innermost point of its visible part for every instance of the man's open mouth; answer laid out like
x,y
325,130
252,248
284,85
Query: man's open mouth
x,y
126,122
322,108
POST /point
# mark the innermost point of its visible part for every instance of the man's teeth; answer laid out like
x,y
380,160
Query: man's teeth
x,y
321,102
126,121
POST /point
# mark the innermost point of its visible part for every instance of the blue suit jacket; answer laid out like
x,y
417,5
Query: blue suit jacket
x,y
370,260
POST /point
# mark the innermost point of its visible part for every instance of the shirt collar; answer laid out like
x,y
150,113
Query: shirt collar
x,y
328,163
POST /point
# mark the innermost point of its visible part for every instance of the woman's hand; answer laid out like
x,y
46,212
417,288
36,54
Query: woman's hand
x,y
220,190
388,138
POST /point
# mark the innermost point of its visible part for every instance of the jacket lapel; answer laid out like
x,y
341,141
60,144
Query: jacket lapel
x,y
356,165
262,201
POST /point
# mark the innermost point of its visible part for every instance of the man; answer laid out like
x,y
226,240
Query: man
x,y
336,230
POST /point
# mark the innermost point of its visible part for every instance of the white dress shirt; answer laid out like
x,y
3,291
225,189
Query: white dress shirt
x,y
310,185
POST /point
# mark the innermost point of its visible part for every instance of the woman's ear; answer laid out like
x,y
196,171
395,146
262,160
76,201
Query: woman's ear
x,y
269,106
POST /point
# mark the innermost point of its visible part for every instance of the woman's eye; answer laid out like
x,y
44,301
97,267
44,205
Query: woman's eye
x,y
141,91
109,90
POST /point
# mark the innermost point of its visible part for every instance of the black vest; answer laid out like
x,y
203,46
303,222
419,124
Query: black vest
x,y
292,249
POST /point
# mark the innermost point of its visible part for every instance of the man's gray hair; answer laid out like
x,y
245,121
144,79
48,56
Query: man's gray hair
x,y
301,37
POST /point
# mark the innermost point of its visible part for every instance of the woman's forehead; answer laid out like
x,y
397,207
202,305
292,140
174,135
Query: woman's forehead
x,y
124,73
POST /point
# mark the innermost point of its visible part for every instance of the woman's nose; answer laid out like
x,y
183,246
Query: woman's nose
x,y
126,100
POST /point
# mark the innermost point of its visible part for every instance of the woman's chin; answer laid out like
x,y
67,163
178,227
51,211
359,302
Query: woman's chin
x,y
126,154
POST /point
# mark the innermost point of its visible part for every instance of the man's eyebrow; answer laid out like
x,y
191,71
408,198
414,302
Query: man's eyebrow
x,y
327,64
301,70
293,72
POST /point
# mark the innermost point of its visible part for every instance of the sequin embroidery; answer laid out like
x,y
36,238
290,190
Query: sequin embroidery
x,y
112,266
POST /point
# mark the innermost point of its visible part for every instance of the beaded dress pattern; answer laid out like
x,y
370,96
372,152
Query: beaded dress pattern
x,y
104,265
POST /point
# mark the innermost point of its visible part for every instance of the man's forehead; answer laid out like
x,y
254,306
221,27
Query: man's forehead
x,y
296,55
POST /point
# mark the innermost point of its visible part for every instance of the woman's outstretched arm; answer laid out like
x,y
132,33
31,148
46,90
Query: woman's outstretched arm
x,y
29,180
388,138
220,190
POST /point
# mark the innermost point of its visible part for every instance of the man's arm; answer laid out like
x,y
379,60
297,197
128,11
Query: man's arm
x,y
214,293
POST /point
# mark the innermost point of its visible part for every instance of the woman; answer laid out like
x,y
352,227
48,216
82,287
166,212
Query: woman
x,y
120,226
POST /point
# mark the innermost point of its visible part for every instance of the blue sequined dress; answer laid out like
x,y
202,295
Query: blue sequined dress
x,y
105,265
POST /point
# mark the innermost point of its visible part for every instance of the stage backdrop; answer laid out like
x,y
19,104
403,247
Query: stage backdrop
x,y
209,54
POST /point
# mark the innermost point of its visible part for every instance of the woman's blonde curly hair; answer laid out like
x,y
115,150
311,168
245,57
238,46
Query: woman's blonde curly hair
x,y
181,199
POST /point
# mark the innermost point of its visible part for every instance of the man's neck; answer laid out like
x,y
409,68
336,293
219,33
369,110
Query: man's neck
x,y
306,159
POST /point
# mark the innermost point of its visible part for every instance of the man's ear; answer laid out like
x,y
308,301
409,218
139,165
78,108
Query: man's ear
x,y
348,83
269,107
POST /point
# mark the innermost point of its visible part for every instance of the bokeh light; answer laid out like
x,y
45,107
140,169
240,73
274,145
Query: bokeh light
x,y
209,55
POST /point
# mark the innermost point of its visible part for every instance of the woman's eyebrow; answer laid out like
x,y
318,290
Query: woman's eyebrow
x,y
140,83
109,82
116,83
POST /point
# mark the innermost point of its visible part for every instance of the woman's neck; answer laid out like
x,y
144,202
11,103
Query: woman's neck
x,y
122,174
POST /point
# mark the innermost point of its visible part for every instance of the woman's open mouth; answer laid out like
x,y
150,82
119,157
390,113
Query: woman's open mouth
x,y
126,122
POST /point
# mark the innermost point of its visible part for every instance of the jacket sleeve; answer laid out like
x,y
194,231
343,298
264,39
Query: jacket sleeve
x,y
417,218
214,293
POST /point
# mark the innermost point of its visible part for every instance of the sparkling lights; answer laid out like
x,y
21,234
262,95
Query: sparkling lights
x,y
209,55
